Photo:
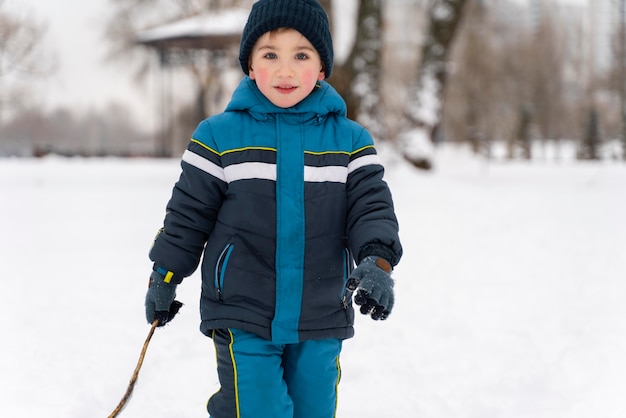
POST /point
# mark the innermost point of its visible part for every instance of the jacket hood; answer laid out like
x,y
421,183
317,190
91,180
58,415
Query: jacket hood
x,y
323,101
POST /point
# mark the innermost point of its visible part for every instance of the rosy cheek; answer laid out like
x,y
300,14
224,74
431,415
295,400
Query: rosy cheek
x,y
261,74
310,77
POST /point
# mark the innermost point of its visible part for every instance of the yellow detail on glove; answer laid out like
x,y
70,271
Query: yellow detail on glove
x,y
168,277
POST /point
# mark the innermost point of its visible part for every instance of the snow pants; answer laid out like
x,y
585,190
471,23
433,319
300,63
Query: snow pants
x,y
261,379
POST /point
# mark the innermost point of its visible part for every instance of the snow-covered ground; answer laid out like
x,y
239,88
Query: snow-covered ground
x,y
510,296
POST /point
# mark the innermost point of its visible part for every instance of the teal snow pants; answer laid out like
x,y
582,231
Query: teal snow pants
x,y
261,379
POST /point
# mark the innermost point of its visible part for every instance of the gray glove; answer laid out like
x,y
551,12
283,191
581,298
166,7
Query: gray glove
x,y
160,303
374,285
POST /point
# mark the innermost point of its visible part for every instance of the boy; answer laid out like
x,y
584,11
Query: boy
x,y
278,194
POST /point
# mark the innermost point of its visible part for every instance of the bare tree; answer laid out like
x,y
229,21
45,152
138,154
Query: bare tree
x,y
358,79
424,111
366,61
468,112
22,57
515,77
131,16
622,71
590,144
547,76
111,131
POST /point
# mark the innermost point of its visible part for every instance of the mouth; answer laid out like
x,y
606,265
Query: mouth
x,y
285,88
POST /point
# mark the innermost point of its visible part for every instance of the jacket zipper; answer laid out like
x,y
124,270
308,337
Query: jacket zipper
x,y
346,273
220,270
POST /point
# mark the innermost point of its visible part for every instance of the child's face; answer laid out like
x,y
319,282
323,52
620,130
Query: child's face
x,y
285,66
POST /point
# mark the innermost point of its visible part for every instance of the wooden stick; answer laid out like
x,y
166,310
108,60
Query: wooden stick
x,y
135,375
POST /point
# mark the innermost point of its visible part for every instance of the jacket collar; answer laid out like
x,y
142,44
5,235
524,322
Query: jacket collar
x,y
321,103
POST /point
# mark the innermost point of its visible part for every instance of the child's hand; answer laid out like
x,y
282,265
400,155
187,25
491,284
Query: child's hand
x,y
160,303
372,278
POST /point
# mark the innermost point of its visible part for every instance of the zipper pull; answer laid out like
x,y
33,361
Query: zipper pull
x,y
344,302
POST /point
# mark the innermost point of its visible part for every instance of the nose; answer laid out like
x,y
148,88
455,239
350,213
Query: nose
x,y
284,69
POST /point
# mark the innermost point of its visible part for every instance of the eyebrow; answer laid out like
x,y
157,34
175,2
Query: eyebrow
x,y
297,48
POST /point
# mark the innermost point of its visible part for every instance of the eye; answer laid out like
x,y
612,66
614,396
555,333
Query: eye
x,y
270,56
301,56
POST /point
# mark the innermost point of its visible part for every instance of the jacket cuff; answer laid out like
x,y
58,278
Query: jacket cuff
x,y
168,276
378,250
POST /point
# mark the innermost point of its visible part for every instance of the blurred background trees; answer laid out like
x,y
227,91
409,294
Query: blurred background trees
x,y
476,72
22,58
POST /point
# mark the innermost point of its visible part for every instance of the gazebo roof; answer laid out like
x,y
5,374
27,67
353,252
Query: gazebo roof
x,y
219,30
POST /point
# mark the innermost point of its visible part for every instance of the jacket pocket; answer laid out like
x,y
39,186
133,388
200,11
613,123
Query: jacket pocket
x,y
220,269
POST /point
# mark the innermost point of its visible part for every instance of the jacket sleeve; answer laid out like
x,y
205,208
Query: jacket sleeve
x,y
192,208
372,224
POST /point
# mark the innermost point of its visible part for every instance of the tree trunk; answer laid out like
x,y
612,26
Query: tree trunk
x,y
358,79
365,60
622,74
591,142
424,111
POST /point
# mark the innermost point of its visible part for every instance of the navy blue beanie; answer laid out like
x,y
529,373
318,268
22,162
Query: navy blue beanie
x,y
305,16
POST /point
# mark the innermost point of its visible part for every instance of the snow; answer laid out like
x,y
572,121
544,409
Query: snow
x,y
226,22
509,297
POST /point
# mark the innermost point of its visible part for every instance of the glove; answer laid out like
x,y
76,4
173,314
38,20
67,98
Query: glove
x,y
160,303
372,278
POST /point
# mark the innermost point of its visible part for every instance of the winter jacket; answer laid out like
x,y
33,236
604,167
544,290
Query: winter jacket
x,y
278,203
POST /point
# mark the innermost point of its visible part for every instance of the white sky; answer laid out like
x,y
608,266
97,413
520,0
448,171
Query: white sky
x,y
83,80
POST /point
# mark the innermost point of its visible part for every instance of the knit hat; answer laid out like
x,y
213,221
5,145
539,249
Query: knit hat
x,y
305,16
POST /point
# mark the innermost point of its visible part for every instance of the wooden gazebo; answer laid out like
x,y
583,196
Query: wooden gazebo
x,y
215,32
